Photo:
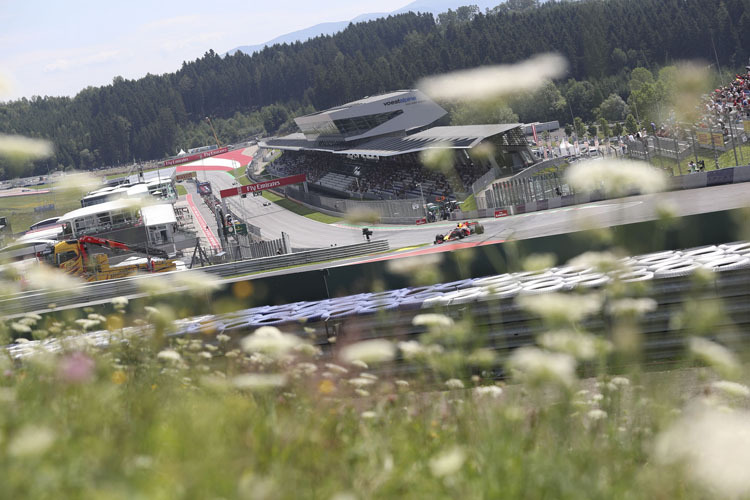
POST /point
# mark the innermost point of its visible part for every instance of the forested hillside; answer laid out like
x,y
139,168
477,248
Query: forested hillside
x,y
157,115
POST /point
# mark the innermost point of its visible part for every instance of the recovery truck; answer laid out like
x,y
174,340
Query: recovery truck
x,y
73,257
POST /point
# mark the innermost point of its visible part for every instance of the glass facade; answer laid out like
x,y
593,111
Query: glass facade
x,y
358,125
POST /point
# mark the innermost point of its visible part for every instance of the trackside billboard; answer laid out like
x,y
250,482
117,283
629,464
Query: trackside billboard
x,y
195,157
261,186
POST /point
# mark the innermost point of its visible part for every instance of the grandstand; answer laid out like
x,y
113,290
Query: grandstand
x,y
370,149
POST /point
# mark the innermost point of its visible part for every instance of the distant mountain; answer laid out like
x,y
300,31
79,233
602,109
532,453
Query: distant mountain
x,y
435,7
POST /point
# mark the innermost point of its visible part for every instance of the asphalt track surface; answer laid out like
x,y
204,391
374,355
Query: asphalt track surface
x,y
306,233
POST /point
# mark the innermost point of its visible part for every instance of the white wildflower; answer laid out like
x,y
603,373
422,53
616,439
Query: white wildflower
x,y
52,279
20,327
307,349
361,393
454,383
87,324
368,415
632,307
77,183
559,307
258,381
411,349
715,447
205,355
361,215
305,368
490,391
596,414
195,282
271,341
368,375
336,368
438,156
489,82
580,345
119,302
409,265
30,441
369,351
169,355
537,367
616,177
359,364
18,146
402,384
222,338
715,355
620,381
601,261
433,321
448,462
731,388
539,262
361,382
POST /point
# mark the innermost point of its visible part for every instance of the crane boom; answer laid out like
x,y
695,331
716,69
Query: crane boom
x,y
116,245
216,137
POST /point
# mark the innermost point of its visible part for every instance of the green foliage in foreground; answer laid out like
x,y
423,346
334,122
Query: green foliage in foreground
x,y
269,415
181,191
300,209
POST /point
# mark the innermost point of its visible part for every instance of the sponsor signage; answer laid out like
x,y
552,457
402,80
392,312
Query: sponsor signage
x,y
186,176
195,157
402,100
501,213
705,138
421,221
262,186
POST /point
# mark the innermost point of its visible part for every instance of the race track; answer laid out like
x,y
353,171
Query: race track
x,y
306,233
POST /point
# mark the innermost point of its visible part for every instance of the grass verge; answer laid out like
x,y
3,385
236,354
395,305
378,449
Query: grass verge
x,y
300,209
20,209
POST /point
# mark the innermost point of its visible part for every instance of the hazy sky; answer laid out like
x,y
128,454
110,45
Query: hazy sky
x,y
58,47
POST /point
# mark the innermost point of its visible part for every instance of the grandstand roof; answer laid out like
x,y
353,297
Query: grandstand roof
x,y
455,137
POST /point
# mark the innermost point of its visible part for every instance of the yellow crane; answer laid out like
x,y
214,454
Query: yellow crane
x,y
218,144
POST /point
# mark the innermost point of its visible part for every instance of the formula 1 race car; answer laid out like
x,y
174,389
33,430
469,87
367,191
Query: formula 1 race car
x,y
460,232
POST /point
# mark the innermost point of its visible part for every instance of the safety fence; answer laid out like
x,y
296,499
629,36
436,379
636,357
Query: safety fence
x,y
531,195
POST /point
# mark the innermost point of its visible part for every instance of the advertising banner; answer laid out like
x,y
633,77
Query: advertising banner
x,y
261,186
501,213
421,221
195,157
186,176
704,138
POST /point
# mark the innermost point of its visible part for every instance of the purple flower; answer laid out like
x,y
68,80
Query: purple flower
x,y
76,368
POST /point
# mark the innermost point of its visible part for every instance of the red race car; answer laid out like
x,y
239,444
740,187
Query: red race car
x,y
461,231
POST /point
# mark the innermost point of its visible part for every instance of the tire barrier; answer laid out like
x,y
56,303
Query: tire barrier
x,y
489,298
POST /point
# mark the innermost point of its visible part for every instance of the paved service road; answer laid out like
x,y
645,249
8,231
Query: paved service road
x,y
306,233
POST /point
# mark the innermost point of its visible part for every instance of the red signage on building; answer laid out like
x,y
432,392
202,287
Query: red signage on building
x,y
421,221
501,213
262,186
195,157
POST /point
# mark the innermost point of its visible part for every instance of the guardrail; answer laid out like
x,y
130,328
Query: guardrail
x,y
103,291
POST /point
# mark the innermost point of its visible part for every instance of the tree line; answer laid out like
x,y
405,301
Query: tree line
x,y
245,95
